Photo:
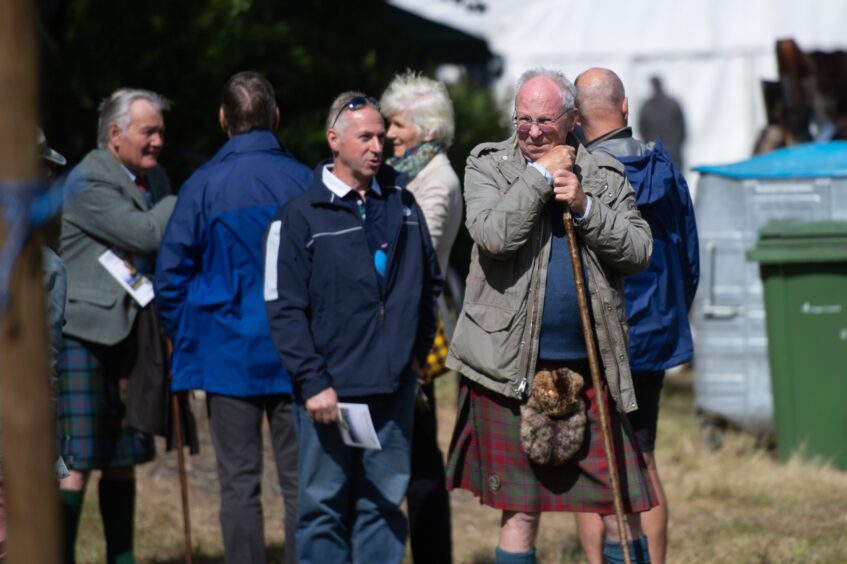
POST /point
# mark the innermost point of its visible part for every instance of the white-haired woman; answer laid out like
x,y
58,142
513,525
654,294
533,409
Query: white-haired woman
x,y
420,129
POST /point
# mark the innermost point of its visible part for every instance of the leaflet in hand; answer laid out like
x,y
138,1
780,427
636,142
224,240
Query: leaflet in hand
x,y
357,428
136,284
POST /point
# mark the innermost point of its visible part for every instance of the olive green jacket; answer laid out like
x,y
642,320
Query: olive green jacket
x,y
497,335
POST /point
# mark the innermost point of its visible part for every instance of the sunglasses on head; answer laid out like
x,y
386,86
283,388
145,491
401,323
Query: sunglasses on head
x,y
356,103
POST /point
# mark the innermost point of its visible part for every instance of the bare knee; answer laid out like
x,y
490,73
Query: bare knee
x,y
632,522
76,481
518,531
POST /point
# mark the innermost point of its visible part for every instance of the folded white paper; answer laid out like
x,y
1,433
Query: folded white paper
x,y
136,284
357,428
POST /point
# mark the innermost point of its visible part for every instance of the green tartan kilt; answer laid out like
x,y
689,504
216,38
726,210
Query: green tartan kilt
x,y
91,429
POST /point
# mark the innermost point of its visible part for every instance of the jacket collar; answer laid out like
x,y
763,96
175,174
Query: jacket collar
x,y
257,140
339,187
618,143
118,174
386,178
511,163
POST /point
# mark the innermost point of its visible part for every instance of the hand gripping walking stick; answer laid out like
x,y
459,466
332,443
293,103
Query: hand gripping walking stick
x,y
594,365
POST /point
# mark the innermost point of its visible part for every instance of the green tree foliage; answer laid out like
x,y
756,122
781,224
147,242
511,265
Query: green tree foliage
x,y
310,51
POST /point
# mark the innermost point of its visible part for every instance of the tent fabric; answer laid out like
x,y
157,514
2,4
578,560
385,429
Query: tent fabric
x,y
800,161
710,55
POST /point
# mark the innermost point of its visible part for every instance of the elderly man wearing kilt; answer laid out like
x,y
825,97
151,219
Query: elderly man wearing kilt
x,y
521,316
119,202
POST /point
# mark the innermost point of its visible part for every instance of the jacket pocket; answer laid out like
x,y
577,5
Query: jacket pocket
x,y
93,296
491,319
488,340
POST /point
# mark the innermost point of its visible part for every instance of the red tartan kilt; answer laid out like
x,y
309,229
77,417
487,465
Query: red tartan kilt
x,y
487,459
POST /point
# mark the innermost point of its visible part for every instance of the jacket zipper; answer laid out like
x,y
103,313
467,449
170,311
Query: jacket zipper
x,y
522,388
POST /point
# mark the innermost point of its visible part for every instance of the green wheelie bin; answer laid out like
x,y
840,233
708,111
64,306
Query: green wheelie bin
x,y
803,268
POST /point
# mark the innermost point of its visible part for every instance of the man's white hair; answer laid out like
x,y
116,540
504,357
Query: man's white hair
x,y
115,109
565,86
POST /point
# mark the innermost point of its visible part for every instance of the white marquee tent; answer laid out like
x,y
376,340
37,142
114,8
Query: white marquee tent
x,y
711,54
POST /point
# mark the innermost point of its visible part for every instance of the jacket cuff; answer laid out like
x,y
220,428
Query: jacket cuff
x,y
314,385
581,218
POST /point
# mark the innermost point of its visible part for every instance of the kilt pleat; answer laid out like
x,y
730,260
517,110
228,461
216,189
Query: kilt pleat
x,y
90,424
486,458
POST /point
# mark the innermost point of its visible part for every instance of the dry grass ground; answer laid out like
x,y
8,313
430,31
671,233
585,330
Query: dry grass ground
x,y
737,505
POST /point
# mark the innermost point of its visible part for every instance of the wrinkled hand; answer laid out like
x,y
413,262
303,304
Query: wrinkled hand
x,y
567,189
559,157
323,406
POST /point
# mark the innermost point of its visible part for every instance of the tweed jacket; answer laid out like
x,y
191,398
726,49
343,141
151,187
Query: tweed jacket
x,y
497,336
439,195
104,209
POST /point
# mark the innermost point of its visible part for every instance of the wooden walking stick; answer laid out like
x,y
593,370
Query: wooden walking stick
x,y
180,460
183,480
594,365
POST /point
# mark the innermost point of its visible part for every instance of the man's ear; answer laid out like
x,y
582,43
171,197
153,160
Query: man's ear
x,y
276,119
573,118
115,135
222,121
625,109
333,138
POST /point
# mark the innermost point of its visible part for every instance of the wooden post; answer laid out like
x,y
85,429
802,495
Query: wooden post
x,y
29,482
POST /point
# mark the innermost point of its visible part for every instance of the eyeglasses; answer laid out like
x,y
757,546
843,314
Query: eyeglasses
x,y
545,124
356,103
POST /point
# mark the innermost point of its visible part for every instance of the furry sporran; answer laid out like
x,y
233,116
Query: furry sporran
x,y
553,420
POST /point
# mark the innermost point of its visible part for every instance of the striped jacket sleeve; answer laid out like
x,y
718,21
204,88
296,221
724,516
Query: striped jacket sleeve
x,y
288,267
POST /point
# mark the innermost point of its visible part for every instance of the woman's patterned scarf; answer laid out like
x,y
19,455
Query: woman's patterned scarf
x,y
415,158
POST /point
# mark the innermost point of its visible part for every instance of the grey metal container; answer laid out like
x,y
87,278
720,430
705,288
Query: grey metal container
x,y
807,183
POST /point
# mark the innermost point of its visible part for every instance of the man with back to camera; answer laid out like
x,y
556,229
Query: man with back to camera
x,y
209,292
521,316
351,281
657,299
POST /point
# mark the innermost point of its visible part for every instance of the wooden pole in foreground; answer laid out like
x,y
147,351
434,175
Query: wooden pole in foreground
x,y
594,365
29,482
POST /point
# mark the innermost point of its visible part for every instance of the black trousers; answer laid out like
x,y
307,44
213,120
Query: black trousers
x,y
236,428
427,499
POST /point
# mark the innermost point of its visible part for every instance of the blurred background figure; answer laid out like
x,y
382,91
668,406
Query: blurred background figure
x,y
420,128
121,204
661,117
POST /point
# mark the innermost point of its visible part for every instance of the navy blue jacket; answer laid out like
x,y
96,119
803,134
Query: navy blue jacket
x,y
209,274
659,298
331,322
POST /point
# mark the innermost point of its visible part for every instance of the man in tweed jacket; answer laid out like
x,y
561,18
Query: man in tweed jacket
x,y
110,207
